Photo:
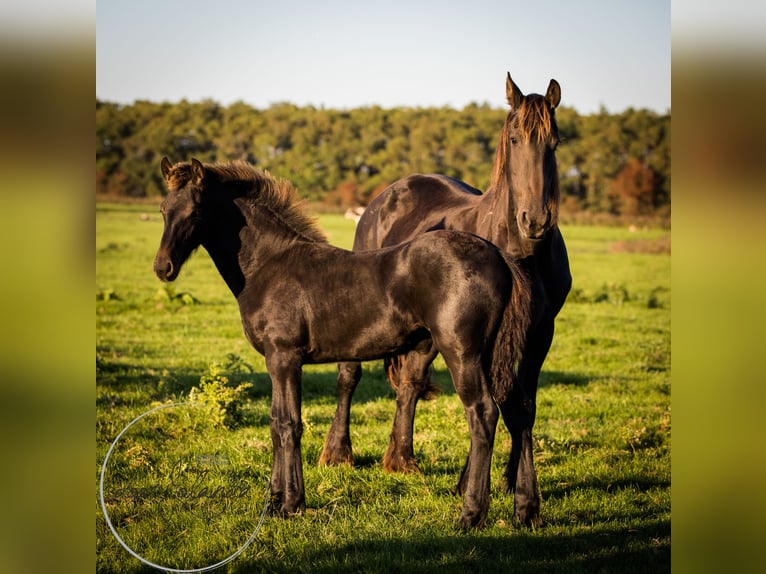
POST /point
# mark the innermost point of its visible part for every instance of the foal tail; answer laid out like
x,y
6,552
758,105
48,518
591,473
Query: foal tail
x,y
511,336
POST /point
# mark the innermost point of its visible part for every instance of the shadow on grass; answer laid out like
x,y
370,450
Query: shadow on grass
x,y
641,549
570,379
318,385
637,550
122,379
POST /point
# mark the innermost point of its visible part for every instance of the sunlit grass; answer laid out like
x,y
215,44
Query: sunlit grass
x,y
602,438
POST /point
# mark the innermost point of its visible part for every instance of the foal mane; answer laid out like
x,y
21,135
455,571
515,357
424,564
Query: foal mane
x,y
277,196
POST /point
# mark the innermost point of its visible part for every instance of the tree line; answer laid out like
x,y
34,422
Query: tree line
x,y
608,163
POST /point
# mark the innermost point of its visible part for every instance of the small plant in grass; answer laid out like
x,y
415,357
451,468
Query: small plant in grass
x,y
654,301
107,295
168,293
222,402
236,364
612,293
138,456
616,294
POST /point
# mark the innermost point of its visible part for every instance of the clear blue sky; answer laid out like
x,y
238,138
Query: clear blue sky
x,y
345,54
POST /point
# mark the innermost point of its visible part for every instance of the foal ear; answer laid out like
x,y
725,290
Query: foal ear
x,y
512,92
198,172
553,95
165,166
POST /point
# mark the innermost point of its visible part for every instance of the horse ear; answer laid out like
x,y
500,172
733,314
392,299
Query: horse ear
x,y
198,172
553,95
512,92
165,166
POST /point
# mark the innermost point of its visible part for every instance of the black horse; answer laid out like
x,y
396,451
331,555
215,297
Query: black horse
x,y
451,290
518,213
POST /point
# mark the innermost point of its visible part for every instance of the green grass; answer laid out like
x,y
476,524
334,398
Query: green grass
x,y
602,435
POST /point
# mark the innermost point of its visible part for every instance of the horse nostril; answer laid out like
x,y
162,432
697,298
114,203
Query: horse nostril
x,y
169,269
163,271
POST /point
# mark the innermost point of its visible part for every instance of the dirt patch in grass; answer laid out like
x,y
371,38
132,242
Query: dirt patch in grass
x,y
654,246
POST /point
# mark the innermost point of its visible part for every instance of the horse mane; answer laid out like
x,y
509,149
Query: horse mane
x,y
532,118
278,196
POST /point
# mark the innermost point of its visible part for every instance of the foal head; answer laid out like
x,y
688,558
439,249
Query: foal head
x,y
181,209
201,203
525,160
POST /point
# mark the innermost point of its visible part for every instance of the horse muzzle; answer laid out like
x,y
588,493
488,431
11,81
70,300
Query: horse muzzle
x,y
164,268
534,227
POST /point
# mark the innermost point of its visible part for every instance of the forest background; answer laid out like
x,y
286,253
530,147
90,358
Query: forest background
x,y
611,166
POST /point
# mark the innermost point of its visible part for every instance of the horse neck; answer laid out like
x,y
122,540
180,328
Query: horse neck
x,y
223,242
239,237
496,212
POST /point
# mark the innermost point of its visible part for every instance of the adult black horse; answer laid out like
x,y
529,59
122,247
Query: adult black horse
x,y
447,289
518,213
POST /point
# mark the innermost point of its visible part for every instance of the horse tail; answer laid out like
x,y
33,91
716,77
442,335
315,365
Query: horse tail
x,y
511,336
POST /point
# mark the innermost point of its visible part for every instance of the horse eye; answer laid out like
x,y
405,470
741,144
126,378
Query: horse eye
x,y
513,141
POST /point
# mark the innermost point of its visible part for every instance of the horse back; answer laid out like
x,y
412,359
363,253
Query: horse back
x,y
414,205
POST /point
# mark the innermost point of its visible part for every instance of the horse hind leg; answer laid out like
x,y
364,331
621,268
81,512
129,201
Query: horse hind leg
x,y
410,377
337,447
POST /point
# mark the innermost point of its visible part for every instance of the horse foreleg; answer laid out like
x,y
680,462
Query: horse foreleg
x,y
520,473
482,415
287,488
337,446
519,413
410,377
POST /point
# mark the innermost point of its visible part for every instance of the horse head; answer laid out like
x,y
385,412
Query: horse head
x,y
184,228
530,137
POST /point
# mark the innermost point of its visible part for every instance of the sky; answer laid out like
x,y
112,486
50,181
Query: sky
x,y
342,54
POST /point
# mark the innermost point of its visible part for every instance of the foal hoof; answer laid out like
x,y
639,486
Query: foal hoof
x,y
282,509
470,522
331,457
400,464
286,511
528,519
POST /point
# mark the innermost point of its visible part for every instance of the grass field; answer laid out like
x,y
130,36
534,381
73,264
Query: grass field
x,y
603,430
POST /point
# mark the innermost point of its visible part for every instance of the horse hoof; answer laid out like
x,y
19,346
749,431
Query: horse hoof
x,y
288,511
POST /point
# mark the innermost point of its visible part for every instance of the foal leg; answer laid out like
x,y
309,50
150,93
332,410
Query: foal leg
x,y
410,377
471,381
519,413
482,414
287,488
337,446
